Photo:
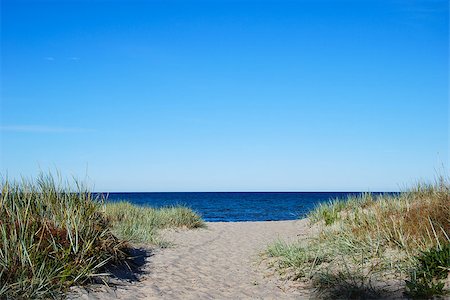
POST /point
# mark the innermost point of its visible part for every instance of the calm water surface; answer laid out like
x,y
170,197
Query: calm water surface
x,y
232,207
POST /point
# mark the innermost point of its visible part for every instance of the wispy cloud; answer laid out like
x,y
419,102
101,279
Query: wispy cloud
x,y
71,58
42,129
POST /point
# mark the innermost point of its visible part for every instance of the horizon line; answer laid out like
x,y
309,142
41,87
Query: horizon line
x,y
129,192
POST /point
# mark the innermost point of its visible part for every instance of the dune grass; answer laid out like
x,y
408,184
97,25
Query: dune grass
x,y
55,234
140,224
373,239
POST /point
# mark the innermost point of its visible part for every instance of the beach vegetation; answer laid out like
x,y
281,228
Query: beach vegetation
x,y
55,234
141,224
427,279
378,239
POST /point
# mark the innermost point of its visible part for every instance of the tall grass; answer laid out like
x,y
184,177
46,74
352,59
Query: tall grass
x,y
141,224
329,212
53,235
380,237
56,234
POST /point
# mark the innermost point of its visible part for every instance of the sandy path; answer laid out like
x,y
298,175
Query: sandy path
x,y
219,262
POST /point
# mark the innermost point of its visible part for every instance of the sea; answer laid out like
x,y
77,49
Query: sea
x,y
238,206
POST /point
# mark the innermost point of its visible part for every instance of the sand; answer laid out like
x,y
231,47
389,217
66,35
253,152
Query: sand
x,y
220,262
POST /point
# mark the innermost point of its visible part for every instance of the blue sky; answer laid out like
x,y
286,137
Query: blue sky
x,y
226,95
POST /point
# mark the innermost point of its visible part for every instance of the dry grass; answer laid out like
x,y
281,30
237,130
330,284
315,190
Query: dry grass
x,y
379,237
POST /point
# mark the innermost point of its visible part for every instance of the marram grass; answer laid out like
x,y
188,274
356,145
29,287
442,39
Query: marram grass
x,y
373,238
54,235
140,224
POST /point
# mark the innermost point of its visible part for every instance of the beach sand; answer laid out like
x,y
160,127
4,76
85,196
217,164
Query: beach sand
x,y
221,261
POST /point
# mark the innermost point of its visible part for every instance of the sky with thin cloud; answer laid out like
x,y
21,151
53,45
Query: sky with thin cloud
x,y
226,95
39,129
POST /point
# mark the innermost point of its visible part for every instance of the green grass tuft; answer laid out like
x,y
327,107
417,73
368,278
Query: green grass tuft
x,y
293,256
427,279
52,236
328,212
141,223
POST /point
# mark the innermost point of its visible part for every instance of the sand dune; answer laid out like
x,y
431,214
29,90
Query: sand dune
x,y
219,262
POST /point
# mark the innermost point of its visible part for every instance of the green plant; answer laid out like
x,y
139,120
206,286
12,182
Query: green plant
x,y
55,234
328,212
52,235
380,234
423,287
433,266
293,256
141,223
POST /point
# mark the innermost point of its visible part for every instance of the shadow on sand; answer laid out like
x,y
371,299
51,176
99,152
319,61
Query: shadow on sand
x,y
122,275
131,269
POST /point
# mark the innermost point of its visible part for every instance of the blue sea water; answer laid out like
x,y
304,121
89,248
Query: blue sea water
x,y
232,207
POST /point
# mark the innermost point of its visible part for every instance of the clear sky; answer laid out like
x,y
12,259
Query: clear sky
x,y
226,95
